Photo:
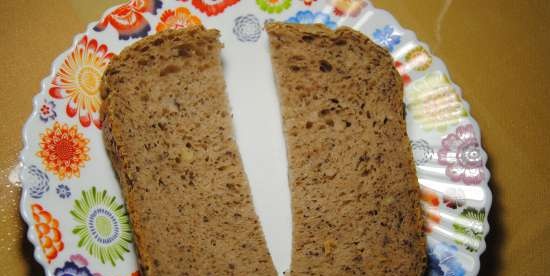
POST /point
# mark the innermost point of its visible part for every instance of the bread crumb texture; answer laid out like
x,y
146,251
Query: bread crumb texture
x,y
355,195
168,132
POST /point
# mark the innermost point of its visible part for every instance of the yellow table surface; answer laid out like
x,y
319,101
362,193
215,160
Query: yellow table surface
x,y
496,50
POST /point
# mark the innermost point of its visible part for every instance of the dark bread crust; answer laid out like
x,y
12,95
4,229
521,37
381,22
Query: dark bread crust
x,y
355,194
168,132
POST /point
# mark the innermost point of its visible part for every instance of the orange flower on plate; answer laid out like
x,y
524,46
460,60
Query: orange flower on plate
x,y
47,229
348,7
78,79
429,197
432,218
431,211
177,19
213,7
402,71
63,150
309,2
128,20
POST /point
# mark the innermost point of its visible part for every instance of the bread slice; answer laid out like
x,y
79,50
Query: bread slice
x,y
355,195
168,132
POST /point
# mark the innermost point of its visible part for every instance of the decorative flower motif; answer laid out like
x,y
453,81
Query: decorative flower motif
x,y
470,228
128,18
429,197
401,69
213,7
462,155
177,19
77,266
274,6
63,191
102,225
431,211
419,59
434,103
308,17
442,261
387,37
422,152
47,229
47,111
63,150
247,28
309,2
348,7
78,79
454,198
36,181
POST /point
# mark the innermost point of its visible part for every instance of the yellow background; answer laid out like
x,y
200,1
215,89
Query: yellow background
x,y
496,50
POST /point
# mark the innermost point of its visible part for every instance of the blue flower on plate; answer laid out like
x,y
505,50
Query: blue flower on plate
x,y
36,180
247,28
77,265
63,191
387,37
308,17
422,152
47,111
442,261
72,269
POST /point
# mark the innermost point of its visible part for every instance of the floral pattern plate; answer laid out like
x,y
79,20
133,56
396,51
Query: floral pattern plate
x,y
71,199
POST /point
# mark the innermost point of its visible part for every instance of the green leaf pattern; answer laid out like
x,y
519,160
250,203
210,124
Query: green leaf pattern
x,y
276,6
470,230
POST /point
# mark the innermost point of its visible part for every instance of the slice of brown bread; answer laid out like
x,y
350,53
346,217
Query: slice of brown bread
x,y
168,132
355,195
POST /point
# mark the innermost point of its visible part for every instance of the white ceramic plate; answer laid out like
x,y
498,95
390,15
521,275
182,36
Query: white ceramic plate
x,y
71,199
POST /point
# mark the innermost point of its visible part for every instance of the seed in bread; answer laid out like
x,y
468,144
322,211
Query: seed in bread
x,y
355,195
